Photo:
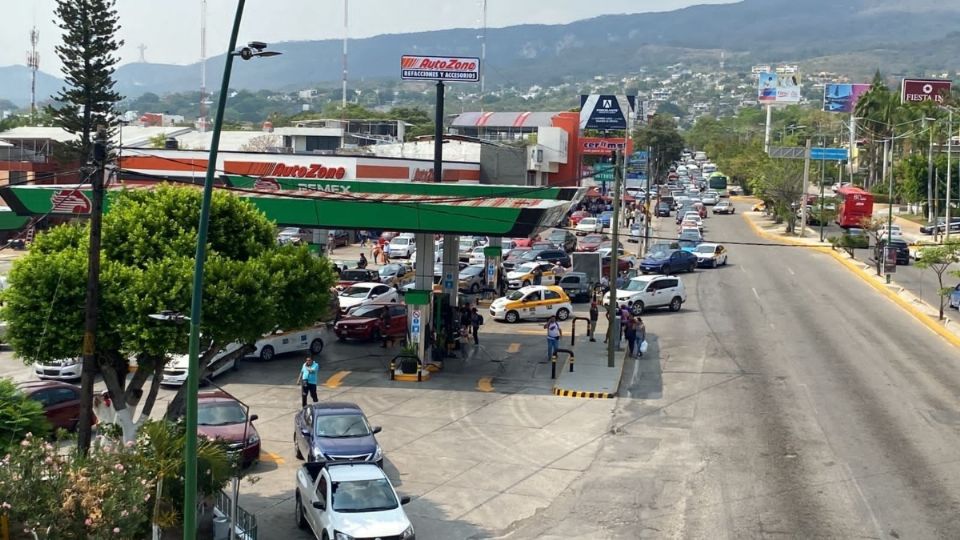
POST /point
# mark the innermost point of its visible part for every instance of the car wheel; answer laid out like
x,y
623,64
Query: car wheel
x,y
512,317
266,354
298,514
297,447
475,288
714,263
563,314
663,269
316,346
692,267
638,308
675,303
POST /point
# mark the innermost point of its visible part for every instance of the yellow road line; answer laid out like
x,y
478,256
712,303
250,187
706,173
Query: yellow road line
x,y
513,348
271,457
530,332
336,379
485,384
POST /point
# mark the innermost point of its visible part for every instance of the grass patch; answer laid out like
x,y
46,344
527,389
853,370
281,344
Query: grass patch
x,y
916,218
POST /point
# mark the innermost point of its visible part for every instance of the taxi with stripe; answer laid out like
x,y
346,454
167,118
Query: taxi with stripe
x,y
524,274
532,302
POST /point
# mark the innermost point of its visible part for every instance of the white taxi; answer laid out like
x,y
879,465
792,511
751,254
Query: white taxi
x,y
533,302
523,275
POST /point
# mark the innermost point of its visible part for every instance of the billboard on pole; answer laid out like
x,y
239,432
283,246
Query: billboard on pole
x,y
912,90
439,68
778,88
842,97
605,111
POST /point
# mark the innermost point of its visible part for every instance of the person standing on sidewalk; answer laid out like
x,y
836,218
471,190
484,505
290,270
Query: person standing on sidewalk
x,y
630,334
594,317
554,333
475,321
308,381
640,336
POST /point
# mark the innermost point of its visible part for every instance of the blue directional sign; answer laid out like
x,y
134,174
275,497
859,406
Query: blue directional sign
x,y
828,154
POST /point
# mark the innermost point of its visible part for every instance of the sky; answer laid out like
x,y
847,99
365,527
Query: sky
x,y
170,29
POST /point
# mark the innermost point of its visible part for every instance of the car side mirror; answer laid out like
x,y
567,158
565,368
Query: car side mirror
x,y
319,505
376,429
254,417
404,500
305,432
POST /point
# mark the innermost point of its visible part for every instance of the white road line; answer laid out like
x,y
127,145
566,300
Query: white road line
x,y
742,269
791,271
755,293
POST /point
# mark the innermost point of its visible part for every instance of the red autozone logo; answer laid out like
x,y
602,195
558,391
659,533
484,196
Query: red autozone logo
x,y
314,170
70,201
438,64
266,184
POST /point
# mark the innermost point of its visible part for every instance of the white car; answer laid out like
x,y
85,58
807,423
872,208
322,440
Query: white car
x,y
477,256
636,232
533,302
66,369
589,225
895,232
523,275
710,198
281,342
401,246
175,372
366,293
650,291
709,254
293,235
341,501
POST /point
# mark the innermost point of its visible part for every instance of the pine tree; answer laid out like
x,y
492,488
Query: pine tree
x,y
89,57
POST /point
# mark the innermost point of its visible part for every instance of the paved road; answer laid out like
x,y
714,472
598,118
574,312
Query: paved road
x,y
788,399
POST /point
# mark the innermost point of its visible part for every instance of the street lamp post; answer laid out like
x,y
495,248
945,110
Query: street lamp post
x,y
254,49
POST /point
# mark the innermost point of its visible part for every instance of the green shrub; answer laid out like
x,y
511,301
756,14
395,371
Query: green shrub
x,y
19,415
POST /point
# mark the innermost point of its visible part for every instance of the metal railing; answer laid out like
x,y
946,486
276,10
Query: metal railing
x,y
553,362
245,523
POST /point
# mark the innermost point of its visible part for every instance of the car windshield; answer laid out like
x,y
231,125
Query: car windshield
x,y
589,221
705,248
335,426
530,255
658,254
471,271
363,496
636,285
366,311
354,275
220,413
515,295
684,242
527,267
400,241
355,292
591,238
390,270
466,244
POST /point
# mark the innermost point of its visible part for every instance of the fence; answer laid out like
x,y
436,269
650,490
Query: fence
x,y
245,522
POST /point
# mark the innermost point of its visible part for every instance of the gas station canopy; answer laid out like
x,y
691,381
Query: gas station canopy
x,y
453,208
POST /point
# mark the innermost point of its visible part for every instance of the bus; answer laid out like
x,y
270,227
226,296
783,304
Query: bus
x,y
718,182
855,205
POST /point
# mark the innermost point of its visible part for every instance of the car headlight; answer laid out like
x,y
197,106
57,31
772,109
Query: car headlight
x,y
337,535
253,439
378,455
407,533
71,361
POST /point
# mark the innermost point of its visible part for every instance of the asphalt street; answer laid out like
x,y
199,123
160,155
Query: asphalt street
x,y
787,398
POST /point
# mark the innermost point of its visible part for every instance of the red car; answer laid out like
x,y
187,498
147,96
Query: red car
x,y
222,416
592,242
357,275
365,322
61,402
525,242
577,216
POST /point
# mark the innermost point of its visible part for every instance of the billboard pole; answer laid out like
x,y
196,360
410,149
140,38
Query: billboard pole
x,y
949,171
930,216
806,183
766,130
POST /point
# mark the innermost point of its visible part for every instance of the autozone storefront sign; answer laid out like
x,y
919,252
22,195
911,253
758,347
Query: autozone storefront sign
x,y
602,146
913,90
439,68
313,170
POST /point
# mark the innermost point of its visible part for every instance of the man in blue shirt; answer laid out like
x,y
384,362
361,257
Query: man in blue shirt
x,y
308,381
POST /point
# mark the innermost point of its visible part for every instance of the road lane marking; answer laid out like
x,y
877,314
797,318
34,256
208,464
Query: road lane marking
x,y
742,269
755,293
485,384
513,348
271,457
530,332
336,379
791,271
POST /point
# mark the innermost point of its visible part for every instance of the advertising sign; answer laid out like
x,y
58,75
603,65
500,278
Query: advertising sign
x,y
924,90
777,88
439,68
842,97
603,146
605,111
415,326
889,260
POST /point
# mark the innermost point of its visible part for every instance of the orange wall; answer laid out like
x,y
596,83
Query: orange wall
x,y
569,174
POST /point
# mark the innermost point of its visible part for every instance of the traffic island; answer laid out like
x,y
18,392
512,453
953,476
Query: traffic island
x,y
585,373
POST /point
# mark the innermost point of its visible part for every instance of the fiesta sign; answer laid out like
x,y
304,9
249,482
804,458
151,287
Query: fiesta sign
x,y
914,90
439,68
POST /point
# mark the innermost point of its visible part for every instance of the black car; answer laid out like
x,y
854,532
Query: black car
x,y
663,210
564,239
930,228
556,256
335,431
903,250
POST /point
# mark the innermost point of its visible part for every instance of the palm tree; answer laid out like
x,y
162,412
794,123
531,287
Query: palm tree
x,y
878,110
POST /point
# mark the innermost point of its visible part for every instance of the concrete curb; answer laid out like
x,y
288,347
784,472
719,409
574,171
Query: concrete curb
x,y
581,394
923,318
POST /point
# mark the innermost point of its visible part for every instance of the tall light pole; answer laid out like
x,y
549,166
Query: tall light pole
x,y
887,147
254,49
949,171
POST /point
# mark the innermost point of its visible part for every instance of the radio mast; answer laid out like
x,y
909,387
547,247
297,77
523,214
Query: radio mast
x,y
346,35
203,66
33,62
483,49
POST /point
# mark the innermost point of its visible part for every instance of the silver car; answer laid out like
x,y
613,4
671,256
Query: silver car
x,y
472,278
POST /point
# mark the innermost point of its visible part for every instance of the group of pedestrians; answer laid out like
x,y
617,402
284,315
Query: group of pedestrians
x,y
632,328
470,322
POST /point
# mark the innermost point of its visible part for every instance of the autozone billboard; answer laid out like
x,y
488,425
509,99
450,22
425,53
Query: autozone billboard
x,y
439,68
913,90
602,146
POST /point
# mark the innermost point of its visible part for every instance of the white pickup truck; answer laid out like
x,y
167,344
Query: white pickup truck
x,y
348,499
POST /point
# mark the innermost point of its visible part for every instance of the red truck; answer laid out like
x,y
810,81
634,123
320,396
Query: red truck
x,y
855,205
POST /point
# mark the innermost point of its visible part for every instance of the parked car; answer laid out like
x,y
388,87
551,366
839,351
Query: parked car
x,y
339,501
712,255
592,242
589,225
63,369
366,293
467,243
576,285
394,274
335,431
955,297
401,247
724,207
294,235
636,232
901,246
533,302
651,292
563,239
282,342
663,209
366,322
357,275
523,275
606,217
472,278
577,216
555,256
175,371
338,237
222,417
669,262
514,258
60,402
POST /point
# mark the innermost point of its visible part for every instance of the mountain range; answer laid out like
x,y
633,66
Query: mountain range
x,y
855,37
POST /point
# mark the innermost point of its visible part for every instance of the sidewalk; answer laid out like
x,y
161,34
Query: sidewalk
x,y
948,329
591,378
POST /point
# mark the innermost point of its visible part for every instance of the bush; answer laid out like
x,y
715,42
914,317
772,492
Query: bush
x,y
19,415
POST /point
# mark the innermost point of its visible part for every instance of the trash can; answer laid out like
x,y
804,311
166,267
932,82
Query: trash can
x,y
221,528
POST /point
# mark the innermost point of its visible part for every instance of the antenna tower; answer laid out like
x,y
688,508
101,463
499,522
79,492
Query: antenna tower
x,y
346,35
483,49
142,48
203,67
33,62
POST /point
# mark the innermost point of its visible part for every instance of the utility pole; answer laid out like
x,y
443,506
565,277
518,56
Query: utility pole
x,y
613,306
92,303
648,215
346,35
930,214
806,184
203,67
823,179
889,237
949,171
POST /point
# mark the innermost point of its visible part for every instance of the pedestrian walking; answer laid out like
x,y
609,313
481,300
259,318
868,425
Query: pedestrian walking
x,y
475,321
640,336
466,320
554,333
594,317
308,381
385,327
630,333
